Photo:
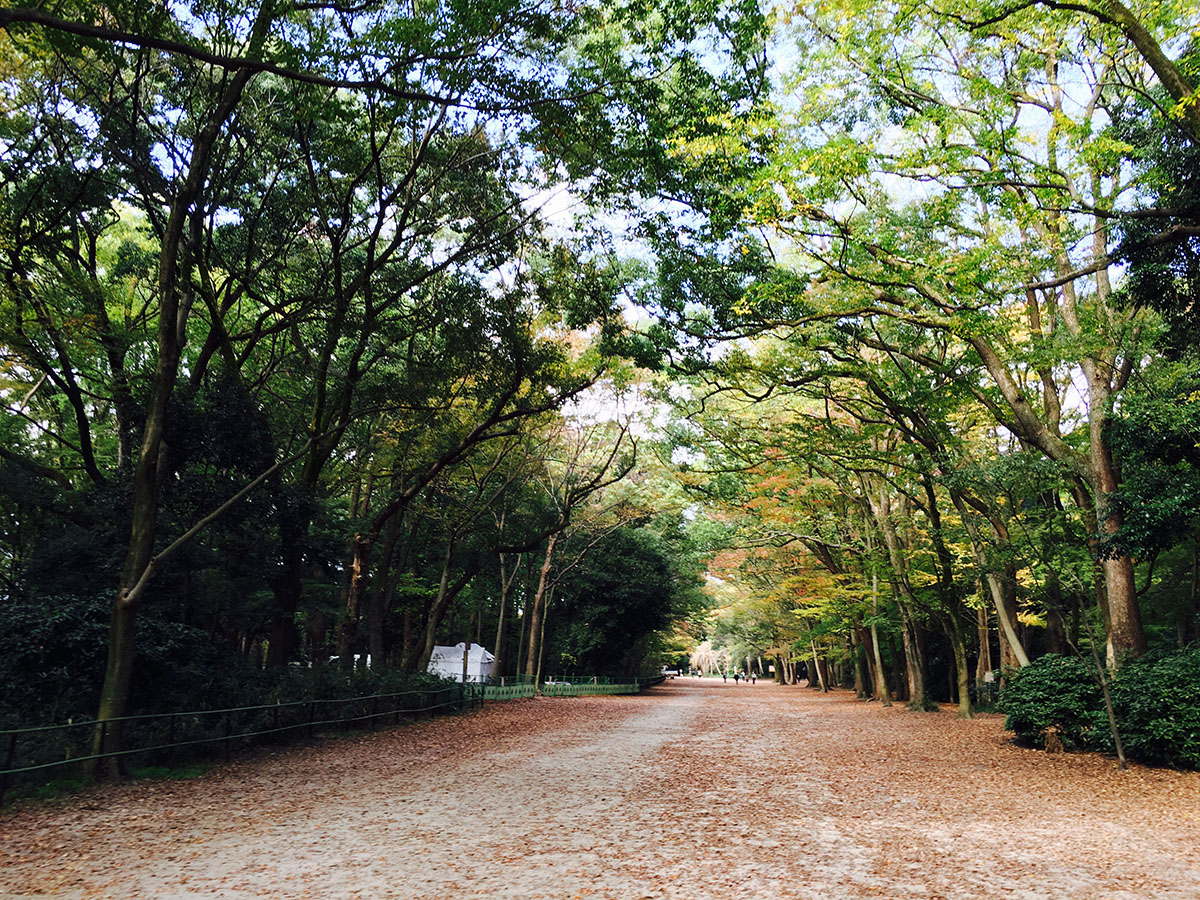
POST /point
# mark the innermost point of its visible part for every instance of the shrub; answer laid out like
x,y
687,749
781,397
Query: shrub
x,y
1157,703
1053,692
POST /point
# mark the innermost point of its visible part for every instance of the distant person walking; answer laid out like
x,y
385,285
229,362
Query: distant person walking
x,y
737,676
725,677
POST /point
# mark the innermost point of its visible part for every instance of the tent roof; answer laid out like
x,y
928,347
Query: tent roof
x,y
476,654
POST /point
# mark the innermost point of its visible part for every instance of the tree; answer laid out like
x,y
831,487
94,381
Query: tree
x,y
318,194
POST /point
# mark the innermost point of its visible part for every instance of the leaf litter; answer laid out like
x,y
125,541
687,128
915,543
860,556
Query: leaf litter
x,y
696,790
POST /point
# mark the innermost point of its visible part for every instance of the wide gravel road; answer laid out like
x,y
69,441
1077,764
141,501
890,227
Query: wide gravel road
x,y
697,789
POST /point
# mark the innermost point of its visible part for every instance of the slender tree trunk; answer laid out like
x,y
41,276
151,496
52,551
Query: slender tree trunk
x,y
538,609
881,685
899,669
380,598
984,667
180,241
861,675
958,642
425,650
914,663
1005,615
541,642
506,583
347,640
815,664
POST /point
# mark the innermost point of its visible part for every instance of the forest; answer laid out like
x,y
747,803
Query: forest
x,y
848,342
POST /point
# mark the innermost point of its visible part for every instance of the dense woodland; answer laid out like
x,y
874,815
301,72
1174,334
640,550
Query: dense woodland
x,y
849,342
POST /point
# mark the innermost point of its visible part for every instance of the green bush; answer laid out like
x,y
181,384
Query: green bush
x,y
1053,692
1157,703
52,659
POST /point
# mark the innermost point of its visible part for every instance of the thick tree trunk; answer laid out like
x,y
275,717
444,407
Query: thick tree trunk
x,y
117,679
914,662
1125,634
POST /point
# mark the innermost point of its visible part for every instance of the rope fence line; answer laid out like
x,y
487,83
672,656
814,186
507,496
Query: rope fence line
x,y
155,737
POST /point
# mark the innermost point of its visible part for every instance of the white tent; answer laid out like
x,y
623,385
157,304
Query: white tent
x,y
448,663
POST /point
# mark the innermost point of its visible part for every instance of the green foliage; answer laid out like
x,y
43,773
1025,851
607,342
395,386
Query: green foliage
x,y
1054,692
1165,274
52,660
1155,435
1157,703
613,602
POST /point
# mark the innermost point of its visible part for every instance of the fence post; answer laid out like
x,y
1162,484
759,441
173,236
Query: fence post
x,y
9,755
312,717
228,732
170,738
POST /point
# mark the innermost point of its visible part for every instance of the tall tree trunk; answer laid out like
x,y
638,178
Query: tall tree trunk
x,y
899,669
1125,633
984,666
881,686
180,241
380,598
862,675
906,601
506,583
913,660
446,592
958,641
538,609
815,665
541,642
347,636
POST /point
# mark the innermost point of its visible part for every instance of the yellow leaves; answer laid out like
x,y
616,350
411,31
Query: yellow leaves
x,y
1189,103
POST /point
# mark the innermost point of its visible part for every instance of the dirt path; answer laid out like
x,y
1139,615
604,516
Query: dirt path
x,y
697,790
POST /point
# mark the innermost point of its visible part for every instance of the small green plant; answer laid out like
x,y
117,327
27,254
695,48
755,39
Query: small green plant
x,y
1054,693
